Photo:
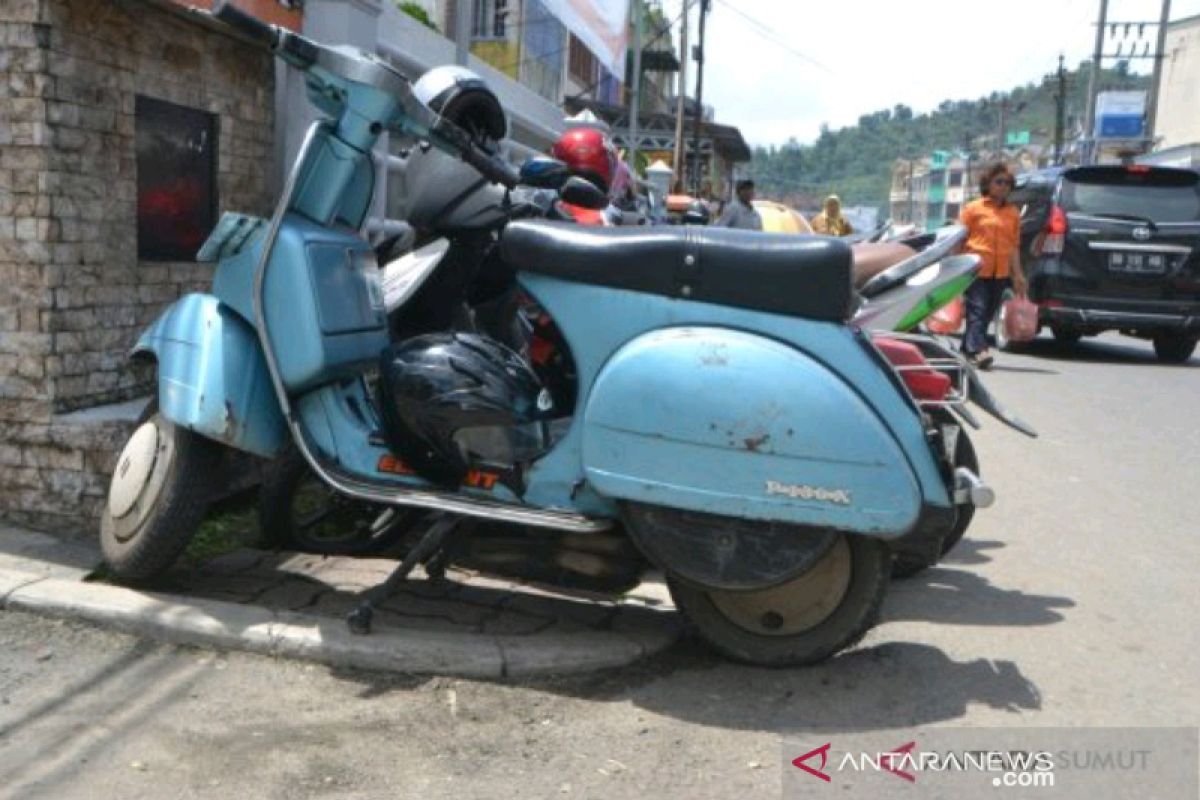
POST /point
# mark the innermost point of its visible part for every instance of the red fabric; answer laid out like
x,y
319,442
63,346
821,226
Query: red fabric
x,y
947,319
585,216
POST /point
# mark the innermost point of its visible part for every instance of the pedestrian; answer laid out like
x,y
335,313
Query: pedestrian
x,y
830,221
740,212
710,200
994,234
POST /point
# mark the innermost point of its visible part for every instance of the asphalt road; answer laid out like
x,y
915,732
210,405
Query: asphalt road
x,y
1072,603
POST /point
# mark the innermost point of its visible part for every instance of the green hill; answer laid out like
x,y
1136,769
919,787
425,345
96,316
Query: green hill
x,y
856,162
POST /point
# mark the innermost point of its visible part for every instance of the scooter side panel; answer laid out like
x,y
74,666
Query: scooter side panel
x,y
598,321
729,422
212,377
323,300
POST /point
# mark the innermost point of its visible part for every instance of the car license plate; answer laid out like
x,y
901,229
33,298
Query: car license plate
x,y
1138,263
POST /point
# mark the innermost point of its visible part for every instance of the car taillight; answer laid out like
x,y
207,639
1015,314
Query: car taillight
x,y
1056,232
926,384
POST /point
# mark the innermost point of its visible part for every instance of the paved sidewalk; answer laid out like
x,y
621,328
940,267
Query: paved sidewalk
x,y
294,605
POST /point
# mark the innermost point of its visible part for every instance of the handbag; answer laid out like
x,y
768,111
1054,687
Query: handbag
x,y
1020,319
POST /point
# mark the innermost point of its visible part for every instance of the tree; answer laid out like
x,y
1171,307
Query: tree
x,y
418,13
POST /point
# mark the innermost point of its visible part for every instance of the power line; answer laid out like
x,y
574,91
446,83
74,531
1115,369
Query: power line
x,y
766,32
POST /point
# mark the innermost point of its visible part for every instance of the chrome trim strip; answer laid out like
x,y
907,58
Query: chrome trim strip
x,y
356,487
1141,247
1076,215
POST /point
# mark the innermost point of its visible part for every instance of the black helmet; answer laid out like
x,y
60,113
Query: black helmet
x,y
459,95
453,401
697,213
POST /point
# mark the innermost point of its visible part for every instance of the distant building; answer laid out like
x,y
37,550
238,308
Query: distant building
x,y
1177,126
930,191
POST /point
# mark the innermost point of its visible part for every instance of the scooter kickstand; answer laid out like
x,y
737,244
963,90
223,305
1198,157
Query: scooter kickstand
x,y
431,543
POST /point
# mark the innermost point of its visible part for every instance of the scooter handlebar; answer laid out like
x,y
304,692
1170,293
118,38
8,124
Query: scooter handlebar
x,y
492,167
248,24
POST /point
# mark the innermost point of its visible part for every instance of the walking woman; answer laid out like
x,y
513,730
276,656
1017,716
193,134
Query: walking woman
x,y
994,234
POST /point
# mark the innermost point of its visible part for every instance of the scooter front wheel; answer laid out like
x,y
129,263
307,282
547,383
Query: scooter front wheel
x,y
156,499
804,620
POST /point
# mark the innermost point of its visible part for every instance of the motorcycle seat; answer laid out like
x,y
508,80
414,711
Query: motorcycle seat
x,y
804,276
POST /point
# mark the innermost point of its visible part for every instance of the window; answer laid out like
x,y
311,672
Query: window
x,y
956,177
176,179
952,210
1135,196
490,20
581,63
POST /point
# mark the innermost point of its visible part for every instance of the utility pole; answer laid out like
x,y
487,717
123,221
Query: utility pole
x,y
1003,124
704,7
910,191
1156,81
635,103
463,15
681,100
1089,124
1060,110
966,168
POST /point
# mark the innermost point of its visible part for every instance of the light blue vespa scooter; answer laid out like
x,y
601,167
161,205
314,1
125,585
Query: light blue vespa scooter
x,y
750,443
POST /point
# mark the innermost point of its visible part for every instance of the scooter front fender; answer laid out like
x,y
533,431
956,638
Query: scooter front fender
x,y
732,423
212,377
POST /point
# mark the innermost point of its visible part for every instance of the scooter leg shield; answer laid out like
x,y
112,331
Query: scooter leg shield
x,y
212,377
729,423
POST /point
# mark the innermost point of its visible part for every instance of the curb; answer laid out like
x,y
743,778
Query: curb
x,y
635,633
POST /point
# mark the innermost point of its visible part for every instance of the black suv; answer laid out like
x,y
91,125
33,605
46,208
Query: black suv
x,y
1114,248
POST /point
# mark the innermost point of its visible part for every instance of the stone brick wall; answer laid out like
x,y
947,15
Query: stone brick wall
x,y
73,295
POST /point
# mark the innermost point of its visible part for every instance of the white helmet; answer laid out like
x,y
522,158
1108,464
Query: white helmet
x,y
462,97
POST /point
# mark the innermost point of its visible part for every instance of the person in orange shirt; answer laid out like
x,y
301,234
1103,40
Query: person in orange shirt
x,y
994,234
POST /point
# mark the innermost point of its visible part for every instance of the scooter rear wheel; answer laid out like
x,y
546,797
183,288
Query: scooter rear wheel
x,y
156,499
804,620
906,566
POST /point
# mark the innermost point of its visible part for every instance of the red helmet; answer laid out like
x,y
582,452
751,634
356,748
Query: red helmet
x,y
589,154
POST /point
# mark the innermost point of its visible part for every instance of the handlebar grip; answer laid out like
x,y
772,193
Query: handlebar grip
x,y
248,24
492,167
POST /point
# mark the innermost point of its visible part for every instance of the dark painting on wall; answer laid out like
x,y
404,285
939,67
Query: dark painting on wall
x,y
176,179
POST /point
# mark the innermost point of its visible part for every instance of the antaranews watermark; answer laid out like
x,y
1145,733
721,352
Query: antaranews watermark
x,y
1053,763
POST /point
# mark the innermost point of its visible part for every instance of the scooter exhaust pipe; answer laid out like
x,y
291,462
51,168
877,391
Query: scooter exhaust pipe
x,y
970,488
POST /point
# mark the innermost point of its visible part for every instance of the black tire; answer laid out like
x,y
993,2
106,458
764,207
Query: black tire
x,y
1066,335
1174,348
149,533
906,566
867,562
297,511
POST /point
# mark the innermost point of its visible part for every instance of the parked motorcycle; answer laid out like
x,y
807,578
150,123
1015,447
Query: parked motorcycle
x,y
729,424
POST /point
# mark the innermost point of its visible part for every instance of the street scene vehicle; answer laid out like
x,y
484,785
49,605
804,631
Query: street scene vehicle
x,y
1115,248
461,424
598,399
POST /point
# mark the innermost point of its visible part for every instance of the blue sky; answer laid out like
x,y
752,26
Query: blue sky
x,y
872,54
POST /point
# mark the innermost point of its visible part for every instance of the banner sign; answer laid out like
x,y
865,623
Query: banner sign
x,y
602,25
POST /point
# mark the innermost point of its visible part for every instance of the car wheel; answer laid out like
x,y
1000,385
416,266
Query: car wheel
x,y
1174,348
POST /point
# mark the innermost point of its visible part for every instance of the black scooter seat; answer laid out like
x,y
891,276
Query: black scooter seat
x,y
803,276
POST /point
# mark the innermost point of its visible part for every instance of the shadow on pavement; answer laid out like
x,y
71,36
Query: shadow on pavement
x,y
880,687
1097,350
957,597
972,552
1000,366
